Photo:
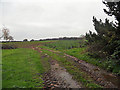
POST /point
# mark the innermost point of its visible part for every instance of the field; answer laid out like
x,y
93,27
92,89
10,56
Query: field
x,y
28,64
22,68
66,44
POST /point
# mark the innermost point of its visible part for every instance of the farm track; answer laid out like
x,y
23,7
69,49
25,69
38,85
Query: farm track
x,y
57,76
100,76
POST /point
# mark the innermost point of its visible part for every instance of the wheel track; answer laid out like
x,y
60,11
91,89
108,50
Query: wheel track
x,y
99,75
57,76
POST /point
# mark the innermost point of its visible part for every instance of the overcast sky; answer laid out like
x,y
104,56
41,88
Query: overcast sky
x,y
36,19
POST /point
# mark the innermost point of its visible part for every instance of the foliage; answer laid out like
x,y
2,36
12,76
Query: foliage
x,y
107,36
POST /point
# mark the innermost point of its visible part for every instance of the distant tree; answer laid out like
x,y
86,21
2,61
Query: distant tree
x,y
64,38
25,40
32,40
5,33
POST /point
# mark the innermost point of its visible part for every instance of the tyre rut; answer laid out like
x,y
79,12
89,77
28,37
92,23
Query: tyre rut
x,y
57,76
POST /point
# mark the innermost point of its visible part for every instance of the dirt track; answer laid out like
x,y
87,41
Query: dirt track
x,y
58,77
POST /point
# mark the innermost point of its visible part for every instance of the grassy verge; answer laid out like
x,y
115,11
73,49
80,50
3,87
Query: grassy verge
x,y
74,48
22,68
73,70
80,54
109,65
77,48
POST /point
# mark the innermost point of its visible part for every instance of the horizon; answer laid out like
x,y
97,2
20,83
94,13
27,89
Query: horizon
x,y
40,39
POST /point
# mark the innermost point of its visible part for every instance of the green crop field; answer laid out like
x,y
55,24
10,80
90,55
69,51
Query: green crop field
x,y
66,44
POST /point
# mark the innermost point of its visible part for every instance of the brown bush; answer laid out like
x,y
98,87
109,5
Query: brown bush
x,y
8,46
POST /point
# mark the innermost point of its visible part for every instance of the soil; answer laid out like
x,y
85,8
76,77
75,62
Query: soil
x,y
59,77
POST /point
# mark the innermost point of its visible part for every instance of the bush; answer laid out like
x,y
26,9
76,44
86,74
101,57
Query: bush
x,y
25,40
8,46
96,50
32,40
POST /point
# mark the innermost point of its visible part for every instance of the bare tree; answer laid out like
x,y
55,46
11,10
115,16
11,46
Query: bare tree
x,y
6,33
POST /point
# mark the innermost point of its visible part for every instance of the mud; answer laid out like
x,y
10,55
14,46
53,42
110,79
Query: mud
x,y
57,76
63,76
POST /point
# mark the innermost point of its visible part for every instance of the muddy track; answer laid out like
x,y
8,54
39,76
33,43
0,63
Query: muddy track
x,y
57,76
100,76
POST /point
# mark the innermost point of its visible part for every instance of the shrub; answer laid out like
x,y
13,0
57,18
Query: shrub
x,y
32,40
8,46
25,40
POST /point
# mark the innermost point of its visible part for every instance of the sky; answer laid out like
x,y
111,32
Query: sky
x,y
40,19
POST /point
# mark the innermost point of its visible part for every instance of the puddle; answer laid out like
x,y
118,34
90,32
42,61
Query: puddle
x,y
114,79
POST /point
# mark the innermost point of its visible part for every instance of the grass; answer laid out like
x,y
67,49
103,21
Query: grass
x,y
82,55
77,48
22,68
74,48
73,70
